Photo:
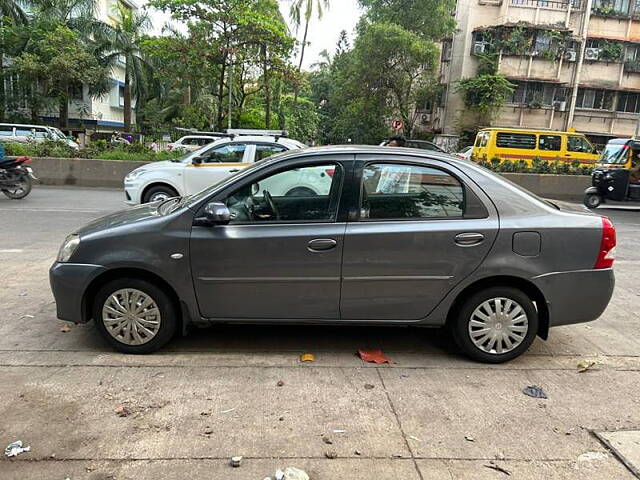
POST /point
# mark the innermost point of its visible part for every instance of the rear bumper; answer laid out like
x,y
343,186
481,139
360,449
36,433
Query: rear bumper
x,y
577,296
69,281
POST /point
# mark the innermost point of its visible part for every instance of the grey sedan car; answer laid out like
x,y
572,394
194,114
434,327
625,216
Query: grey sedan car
x,y
390,236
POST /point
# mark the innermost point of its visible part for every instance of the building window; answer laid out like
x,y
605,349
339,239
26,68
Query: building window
x,y
608,7
445,55
629,102
537,94
542,43
594,99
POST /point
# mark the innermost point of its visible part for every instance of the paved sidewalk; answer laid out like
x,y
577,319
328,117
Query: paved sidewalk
x,y
214,394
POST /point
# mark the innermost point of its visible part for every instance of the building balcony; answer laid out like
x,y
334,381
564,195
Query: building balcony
x,y
539,69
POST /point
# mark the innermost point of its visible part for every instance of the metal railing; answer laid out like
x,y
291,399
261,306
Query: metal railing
x,y
558,5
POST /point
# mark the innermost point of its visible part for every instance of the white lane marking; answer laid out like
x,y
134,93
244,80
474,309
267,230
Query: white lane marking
x,y
11,250
54,210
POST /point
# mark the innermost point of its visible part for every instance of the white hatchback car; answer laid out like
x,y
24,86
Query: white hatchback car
x,y
198,170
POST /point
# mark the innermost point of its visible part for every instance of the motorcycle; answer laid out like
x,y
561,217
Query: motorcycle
x,y
16,177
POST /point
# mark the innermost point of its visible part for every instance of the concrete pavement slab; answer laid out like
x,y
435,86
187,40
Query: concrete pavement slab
x,y
626,445
441,408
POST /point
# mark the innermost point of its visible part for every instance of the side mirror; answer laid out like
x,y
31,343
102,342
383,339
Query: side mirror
x,y
217,213
196,160
255,189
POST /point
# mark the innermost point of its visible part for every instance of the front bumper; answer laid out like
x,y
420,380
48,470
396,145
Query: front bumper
x,y
577,296
69,282
132,191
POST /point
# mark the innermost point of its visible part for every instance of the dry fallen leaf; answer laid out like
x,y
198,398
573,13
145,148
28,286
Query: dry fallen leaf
x,y
307,357
373,356
65,328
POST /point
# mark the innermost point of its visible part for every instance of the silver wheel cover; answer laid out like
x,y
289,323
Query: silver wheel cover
x,y
160,196
131,316
498,325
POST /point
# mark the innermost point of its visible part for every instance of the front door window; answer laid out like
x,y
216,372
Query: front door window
x,y
304,194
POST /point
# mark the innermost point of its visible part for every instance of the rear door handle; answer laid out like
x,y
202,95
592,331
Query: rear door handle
x,y
470,238
321,244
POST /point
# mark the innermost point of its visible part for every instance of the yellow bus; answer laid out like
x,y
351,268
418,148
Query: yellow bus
x,y
516,144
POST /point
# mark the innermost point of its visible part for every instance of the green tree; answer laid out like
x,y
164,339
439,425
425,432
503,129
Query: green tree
x,y
397,65
431,19
11,14
122,43
485,95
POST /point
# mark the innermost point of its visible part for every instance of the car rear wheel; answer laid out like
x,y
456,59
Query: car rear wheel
x,y
134,316
592,200
495,325
159,193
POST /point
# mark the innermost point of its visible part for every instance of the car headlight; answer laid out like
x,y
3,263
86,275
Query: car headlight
x,y
68,247
134,174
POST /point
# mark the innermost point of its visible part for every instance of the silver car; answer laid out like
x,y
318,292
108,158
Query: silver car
x,y
398,236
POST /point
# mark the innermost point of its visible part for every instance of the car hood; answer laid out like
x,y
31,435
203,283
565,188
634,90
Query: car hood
x,y
128,217
162,164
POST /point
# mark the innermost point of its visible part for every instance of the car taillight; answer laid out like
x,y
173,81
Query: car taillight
x,y
607,252
330,171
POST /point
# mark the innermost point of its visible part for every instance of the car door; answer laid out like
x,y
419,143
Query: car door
x,y
421,228
213,165
280,256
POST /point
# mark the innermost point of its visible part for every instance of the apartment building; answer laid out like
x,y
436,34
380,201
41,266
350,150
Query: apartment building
x,y
104,113
575,64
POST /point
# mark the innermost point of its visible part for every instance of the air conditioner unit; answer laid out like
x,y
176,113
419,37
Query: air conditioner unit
x,y
426,117
592,54
570,55
479,48
560,105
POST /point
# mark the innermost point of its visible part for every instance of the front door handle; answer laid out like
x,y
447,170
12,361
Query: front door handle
x,y
234,170
321,244
468,239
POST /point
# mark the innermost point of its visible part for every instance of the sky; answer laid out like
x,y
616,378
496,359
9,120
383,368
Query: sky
x,y
323,34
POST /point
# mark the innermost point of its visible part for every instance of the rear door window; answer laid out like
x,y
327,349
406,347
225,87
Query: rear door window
x,y
550,142
264,151
516,140
401,191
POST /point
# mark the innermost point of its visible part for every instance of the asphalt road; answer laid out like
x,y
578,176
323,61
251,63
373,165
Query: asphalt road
x,y
430,415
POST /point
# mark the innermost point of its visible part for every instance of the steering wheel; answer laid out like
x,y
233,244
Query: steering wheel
x,y
272,205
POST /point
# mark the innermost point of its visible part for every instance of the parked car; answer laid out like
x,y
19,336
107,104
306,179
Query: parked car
x,y
16,132
465,153
190,143
515,144
399,238
419,144
204,167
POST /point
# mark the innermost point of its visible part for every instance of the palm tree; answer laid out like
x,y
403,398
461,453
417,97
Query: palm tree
x,y
302,10
123,45
14,9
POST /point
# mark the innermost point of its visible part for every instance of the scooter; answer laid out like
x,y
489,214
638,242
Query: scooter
x,y
16,177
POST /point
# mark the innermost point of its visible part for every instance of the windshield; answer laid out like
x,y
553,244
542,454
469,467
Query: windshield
x,y
58,133
614,154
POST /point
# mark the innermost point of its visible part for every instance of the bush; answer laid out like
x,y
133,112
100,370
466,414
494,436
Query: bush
x,y
537,165
100,149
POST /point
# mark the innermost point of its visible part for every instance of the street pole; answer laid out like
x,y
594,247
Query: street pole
x,y
230,91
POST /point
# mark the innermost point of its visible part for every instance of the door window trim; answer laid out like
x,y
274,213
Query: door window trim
x,y
318,162
466,190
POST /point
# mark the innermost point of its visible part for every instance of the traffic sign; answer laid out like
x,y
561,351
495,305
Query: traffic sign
x,y
397,125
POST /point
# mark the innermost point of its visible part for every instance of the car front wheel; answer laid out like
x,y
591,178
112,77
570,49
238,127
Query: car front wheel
x,y
495,325
159,193
134,315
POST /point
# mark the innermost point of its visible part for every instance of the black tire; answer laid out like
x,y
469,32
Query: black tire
x,y
27,185
159,192
592,200
462,317
301,192
166,306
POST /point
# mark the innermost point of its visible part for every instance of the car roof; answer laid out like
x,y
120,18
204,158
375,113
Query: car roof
x,y
287,142
527,130
24,125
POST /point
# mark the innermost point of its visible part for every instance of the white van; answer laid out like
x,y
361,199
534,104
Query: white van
x,y
23,133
